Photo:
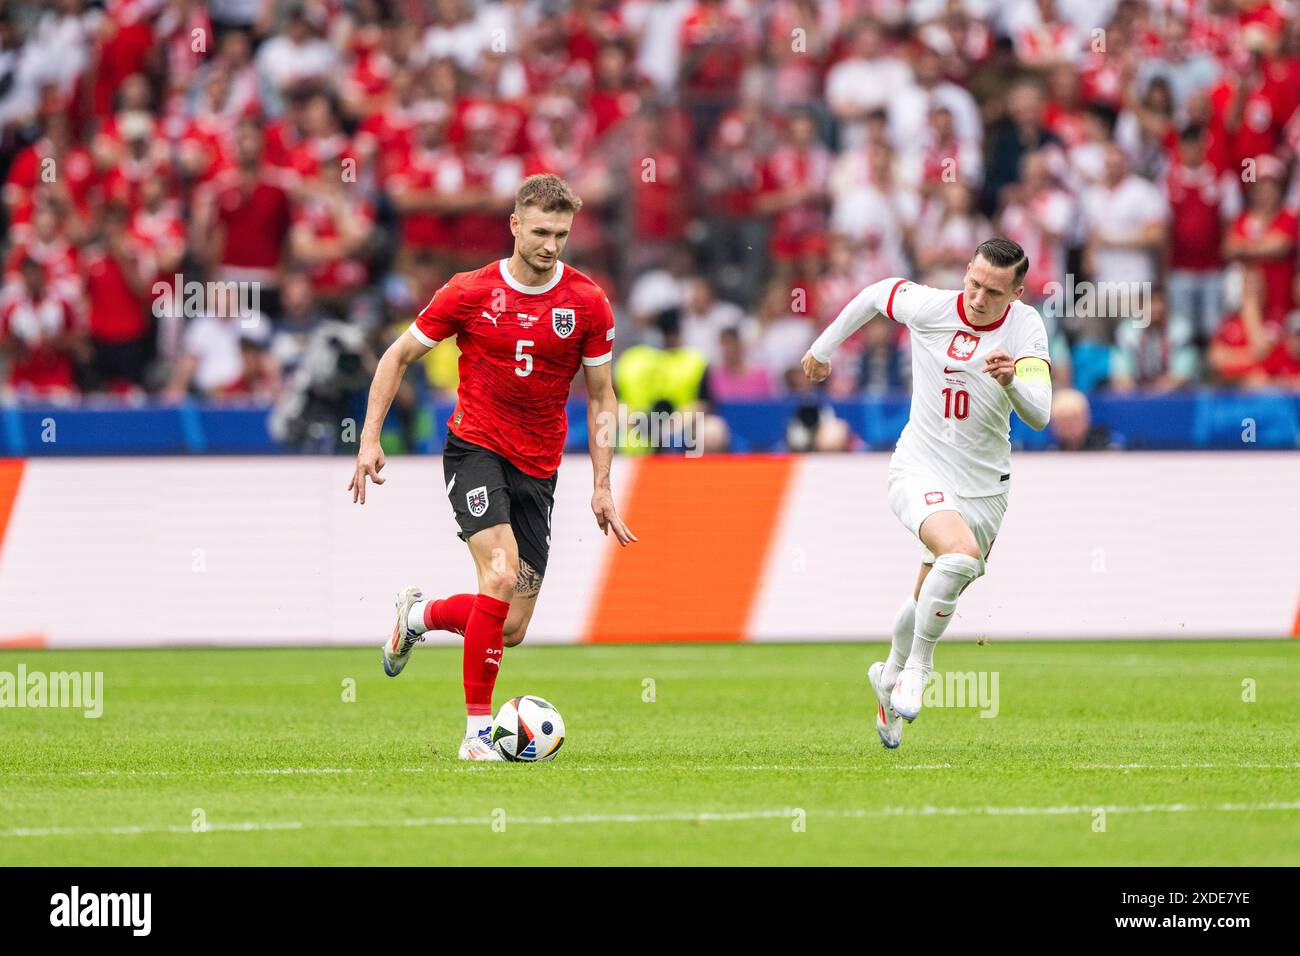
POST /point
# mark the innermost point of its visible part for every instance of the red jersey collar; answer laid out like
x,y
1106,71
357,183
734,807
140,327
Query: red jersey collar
x,y
961,314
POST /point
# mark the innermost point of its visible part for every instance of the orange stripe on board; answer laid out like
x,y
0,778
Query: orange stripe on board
x,y
23,640
11,476
1295,625
705,526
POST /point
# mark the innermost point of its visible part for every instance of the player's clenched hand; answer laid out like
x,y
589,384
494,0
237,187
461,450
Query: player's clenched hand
x,y
1001,366
370,460
815,370
602,506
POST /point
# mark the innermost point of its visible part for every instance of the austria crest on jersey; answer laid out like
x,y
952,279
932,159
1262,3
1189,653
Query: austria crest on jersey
x,y
477,500
563,321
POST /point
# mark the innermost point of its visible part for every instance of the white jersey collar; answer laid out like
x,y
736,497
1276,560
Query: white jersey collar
x,y
531,289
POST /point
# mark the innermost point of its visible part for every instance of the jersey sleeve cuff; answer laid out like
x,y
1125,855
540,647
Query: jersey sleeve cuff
x,y
599,359
420,337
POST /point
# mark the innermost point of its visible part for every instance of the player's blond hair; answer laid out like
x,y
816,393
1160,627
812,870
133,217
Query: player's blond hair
x,y
548,193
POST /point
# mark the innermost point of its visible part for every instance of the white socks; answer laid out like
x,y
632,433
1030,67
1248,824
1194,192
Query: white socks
x,y
936,604
478,725
415,617
904,624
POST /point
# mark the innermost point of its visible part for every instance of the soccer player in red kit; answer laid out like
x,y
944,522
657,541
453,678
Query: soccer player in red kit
x,y
524,326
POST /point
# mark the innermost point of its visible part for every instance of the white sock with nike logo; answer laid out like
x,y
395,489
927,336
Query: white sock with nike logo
x,y
938,601
904,625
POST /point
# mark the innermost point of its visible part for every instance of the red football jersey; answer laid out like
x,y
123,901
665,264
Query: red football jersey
x,y
520,348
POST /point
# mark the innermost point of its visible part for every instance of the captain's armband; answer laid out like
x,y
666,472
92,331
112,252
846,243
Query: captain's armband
x,y
1033,369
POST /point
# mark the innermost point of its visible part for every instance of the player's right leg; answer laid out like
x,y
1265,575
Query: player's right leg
x,y
496,562
957,563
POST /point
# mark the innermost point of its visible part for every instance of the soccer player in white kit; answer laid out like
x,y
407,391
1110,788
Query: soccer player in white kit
x,y
977,355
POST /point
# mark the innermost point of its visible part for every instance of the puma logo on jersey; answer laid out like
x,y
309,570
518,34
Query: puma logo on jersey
x,y
492,318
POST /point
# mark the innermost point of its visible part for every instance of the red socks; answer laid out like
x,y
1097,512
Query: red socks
x,y
483,646
449,614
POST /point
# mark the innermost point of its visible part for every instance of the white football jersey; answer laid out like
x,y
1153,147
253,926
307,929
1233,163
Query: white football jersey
x,y
960,420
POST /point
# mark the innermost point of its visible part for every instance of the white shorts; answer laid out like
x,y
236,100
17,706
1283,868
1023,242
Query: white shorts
x,y
915,495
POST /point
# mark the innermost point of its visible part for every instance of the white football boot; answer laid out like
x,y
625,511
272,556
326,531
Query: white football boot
x,y
906,697
397,649
888,723
477,748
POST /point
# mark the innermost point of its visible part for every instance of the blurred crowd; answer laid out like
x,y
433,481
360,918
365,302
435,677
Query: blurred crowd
x,y
747,166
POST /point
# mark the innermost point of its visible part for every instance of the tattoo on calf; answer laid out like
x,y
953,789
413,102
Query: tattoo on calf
x,y
529,581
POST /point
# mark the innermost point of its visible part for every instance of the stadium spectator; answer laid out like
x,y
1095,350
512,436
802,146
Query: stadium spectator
x,y
733,378
1071,424
118,271
1282,365
1159,355
705,317
865,81
225,357
41,335
780,337
1039,216
1202,200
1266,234
1022,131
1125,222
243,217
884,367
1245,338
299,53
664,379
948,228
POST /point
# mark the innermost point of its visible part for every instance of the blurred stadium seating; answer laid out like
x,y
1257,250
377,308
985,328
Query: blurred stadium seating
x,y
746,166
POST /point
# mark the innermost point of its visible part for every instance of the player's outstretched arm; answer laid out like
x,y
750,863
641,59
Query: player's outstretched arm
x,y
388,377
602,412
864,307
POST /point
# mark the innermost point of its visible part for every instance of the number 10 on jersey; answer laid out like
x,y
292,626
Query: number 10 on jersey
x,y
956,403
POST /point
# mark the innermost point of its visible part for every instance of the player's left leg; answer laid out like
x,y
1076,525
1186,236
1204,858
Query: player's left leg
x,y
527,586
958,561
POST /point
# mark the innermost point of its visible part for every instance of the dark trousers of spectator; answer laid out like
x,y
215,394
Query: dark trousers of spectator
x,y
118,363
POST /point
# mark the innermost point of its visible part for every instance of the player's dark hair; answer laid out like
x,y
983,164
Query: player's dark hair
x,y
1004,254
547,192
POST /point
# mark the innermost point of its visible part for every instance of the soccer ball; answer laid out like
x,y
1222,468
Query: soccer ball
x,y
527,729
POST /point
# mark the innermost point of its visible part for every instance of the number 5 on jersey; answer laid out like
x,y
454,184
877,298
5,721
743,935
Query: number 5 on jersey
x,y
522,356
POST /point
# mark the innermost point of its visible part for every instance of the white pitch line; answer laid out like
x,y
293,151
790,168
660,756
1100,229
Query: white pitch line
x,y
329,771
644,768
1187,766
704,817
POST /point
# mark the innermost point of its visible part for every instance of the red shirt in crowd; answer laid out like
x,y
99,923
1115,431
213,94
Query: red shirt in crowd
x,y
30,324
117,312
1279,271
256,220
1197,198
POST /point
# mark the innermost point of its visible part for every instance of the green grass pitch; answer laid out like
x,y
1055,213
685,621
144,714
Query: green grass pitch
x,y
745,754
